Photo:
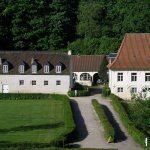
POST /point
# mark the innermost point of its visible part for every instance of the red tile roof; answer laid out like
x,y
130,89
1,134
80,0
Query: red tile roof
x,y
134,52
86,63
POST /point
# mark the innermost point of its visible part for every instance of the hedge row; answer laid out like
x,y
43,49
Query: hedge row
x,y
108,129
69,121
135,133
78,93
106,91
23,96
62,149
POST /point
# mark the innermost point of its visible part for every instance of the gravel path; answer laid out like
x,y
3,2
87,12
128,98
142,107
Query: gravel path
x,y
89,132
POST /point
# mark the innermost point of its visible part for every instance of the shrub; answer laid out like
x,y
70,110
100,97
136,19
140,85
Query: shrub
x,y
135,133
79,93
78,86
109,131
106,91
71,93
23,96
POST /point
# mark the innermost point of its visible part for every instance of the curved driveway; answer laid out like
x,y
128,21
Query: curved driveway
x,y
89,132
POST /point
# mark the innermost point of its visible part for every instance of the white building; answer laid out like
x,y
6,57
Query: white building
x,y
85,68
129,73
34,72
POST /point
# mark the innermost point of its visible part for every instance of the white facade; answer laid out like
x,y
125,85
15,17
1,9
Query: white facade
x,y
84,80
58,84
131,82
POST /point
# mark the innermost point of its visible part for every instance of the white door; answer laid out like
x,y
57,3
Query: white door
x,y
5,88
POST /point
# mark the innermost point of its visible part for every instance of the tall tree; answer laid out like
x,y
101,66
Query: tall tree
x,y
5,27
38,24
90,16
103,75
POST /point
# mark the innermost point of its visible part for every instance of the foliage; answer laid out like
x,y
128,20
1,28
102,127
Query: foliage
x,y
35,123
85,46
108,23
78,93
56,148
37,25
139,112
85,26
106,91
134,132
90,23
103,71
23,96
108,129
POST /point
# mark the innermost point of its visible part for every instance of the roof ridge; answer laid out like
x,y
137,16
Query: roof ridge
x,y
118,54
21,51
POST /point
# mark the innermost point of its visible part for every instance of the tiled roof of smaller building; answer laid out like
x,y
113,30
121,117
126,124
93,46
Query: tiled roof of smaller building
x,y
29,58
86,63
112,55
134,53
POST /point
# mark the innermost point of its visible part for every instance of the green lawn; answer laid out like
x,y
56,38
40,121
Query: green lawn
x,y
34,121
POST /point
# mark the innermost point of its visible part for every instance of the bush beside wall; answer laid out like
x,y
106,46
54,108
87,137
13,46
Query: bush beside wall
x,y
135,133
106,91
108,129
23,96
79,93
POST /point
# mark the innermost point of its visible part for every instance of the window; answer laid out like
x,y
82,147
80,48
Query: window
x,y
146,89
45,82
46,69
133,90
75,76
5,68
58,69
147,76
120,77
33,82
21,69
85,77
34,68
120,89
21,82
58,82
133,76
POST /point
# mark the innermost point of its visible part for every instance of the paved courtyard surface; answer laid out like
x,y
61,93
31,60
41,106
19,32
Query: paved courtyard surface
x,y
89,132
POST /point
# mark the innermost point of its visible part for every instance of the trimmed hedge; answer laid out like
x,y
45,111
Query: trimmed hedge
x,y
106,91
109,131
23,96
134,132
79,93
55,148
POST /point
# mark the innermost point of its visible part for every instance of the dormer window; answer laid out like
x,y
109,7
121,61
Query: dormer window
x,y
21,69
5,68
58,69
46,68
34,68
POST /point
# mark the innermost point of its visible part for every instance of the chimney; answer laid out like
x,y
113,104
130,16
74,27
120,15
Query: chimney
x,y
69,52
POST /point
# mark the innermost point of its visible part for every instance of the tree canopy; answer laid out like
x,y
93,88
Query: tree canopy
x,y
84,26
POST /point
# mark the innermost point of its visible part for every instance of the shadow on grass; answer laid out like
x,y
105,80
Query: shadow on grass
x,y
80,131
33,127
119,134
